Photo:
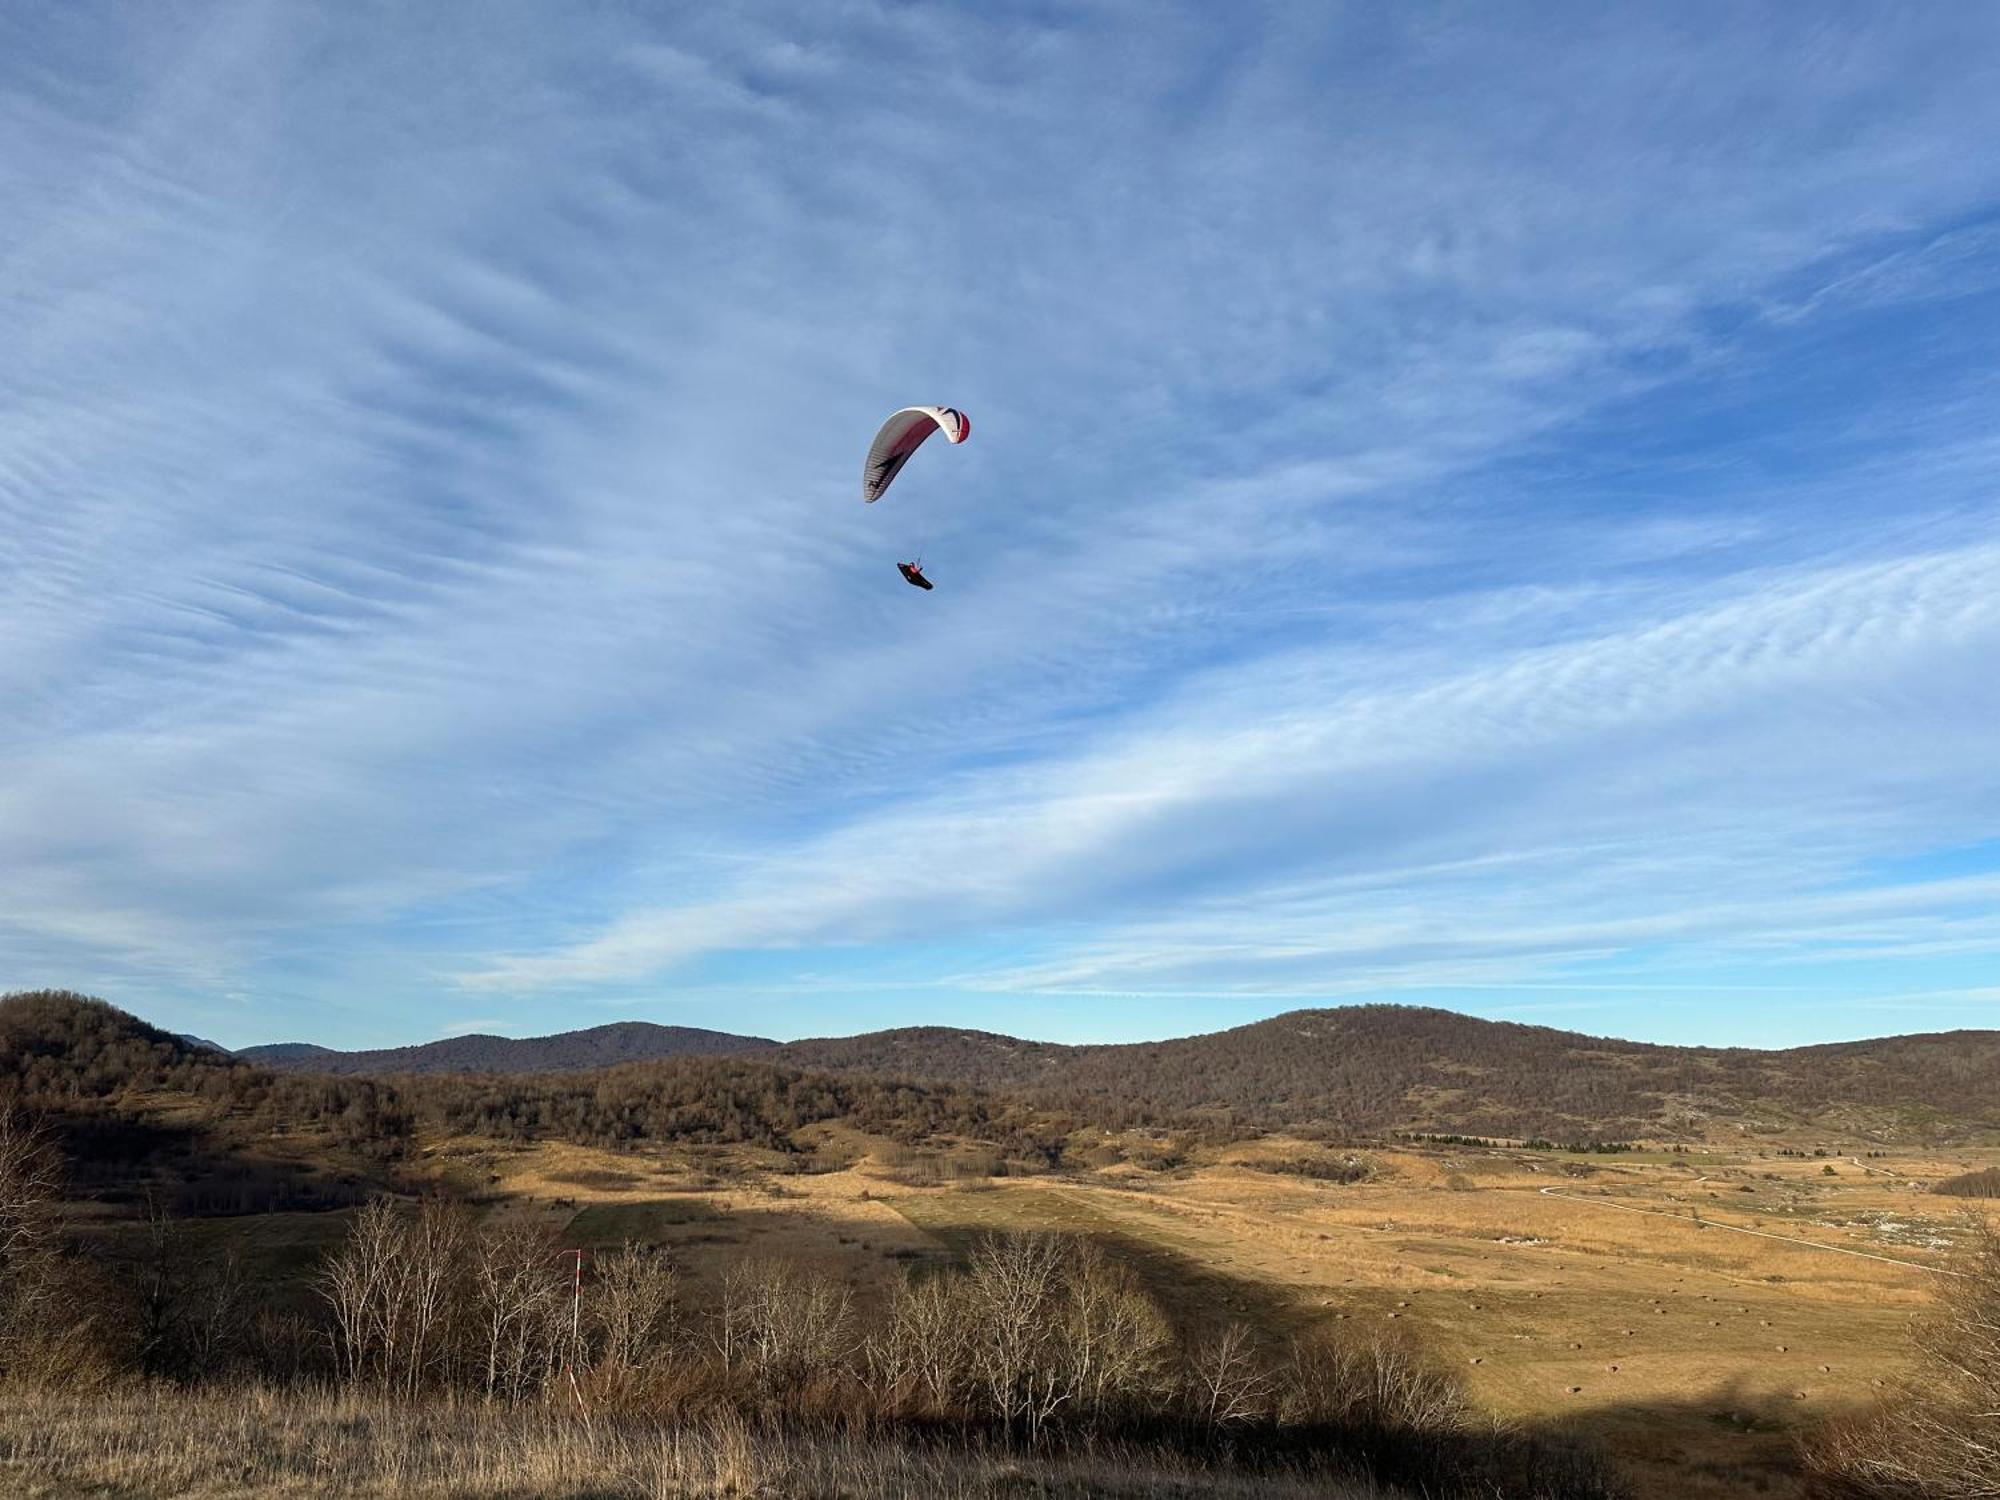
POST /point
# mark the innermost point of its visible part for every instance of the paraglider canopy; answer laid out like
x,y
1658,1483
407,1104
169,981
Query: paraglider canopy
x,y
900,437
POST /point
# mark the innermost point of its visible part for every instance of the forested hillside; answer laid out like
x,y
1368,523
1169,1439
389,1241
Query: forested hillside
x,y
1357,1069
214,1133
1378,1067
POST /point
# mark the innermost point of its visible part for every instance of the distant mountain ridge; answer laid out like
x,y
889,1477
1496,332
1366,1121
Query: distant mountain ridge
x,y
1370,1066
564,1052
1365,1067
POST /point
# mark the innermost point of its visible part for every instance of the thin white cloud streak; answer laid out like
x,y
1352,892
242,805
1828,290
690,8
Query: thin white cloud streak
x,y
1616,759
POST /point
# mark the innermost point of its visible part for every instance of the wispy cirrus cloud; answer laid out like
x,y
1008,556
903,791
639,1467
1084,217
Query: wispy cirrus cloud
x,y
1756,720
1404,444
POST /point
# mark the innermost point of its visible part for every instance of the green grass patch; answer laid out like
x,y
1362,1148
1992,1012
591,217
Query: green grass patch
x,y
280,1253
649,1223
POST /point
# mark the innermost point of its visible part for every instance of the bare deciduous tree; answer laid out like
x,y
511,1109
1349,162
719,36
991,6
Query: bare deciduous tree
x,y
393,1290
217,1316
28,1186
1381,1383
1227,1379
1016,1285
430,1267
517,1297
356,1285
1118,1337
1939,1437
634,1307
921,1360
788,1325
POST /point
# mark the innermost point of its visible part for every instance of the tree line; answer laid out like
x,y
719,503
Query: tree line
x,y
90,1068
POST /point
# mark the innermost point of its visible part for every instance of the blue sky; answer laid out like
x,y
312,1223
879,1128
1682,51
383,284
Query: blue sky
x,y
1487,506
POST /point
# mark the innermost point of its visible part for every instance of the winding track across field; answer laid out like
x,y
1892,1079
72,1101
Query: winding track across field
x,y
1762,1234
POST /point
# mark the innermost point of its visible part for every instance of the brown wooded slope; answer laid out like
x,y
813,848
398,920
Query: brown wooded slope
x,y
1382,1066
564,1052
1379,1067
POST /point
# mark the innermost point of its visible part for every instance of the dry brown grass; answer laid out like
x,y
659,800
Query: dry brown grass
x,y
1530,1296
253,1443
1938,1436
1735,1343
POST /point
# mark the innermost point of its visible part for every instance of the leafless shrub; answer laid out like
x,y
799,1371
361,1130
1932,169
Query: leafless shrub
x,y
1015,1286
1228,1382
518,1310
634,1309
1981,1184
783,1326
1350,1167
55,1315
1377,1383
1939,1437
217,1313
29,1179
920,1363
394,1290
1119,1340
1039,1328
193,1314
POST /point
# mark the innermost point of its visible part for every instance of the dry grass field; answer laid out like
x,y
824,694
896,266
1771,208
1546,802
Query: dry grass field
x,y
257,1446
1693,1310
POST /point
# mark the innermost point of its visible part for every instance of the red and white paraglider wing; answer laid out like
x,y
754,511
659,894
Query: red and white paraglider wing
x,y
901,436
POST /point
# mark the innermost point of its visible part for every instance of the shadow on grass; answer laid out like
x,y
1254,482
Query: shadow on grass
x,y
193,1170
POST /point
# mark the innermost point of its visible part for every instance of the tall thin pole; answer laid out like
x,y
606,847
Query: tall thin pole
x,y
576,1330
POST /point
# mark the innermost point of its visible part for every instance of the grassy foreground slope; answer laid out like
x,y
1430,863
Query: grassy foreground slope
x,y
301,1446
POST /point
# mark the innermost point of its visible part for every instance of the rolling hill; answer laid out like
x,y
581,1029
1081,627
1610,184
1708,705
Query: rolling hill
x,y
564,1052
1377,1066
1369,1067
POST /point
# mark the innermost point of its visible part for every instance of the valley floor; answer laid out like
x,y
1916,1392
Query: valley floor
x,y
1612,1296
1694,1352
